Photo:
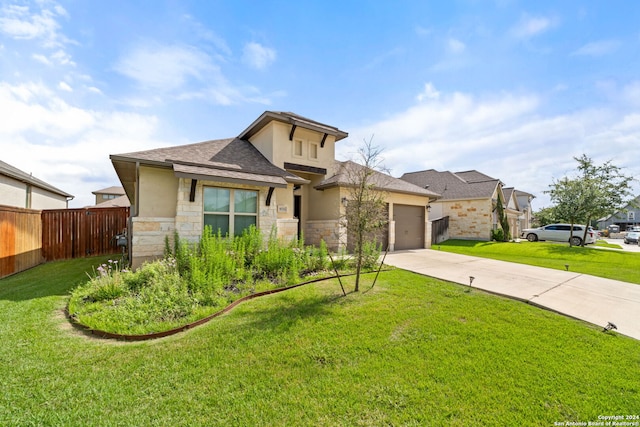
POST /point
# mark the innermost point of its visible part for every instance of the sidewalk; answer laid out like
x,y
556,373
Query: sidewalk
x,y
593,299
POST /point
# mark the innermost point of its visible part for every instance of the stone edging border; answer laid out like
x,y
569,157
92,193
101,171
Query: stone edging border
x,y
155,335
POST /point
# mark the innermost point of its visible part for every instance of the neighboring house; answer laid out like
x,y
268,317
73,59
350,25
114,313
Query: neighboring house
x,y
524,204
625,218
23,190
470,200
111,197
278,174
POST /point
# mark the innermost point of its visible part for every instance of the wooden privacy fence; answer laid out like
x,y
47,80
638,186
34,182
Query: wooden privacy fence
x,y
20,239
439,230
75,233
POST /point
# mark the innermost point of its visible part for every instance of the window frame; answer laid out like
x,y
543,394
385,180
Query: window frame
x,y
298,142
313,148
231,214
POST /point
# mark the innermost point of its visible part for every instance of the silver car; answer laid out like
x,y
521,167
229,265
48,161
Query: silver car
x,y
560,233
632,237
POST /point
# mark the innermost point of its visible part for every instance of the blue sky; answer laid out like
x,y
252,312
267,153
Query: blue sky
x,y
514,89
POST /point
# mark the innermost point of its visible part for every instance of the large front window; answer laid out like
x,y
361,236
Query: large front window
x,y
230,211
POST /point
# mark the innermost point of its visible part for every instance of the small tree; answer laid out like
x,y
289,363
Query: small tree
x,y
366,211
505,236
569,195
545,216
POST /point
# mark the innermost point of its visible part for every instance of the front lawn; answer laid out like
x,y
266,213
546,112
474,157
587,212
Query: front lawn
x,y
612,264
411,351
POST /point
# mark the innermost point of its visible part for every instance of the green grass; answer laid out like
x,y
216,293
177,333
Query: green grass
x,y
617,265
604,244
411,351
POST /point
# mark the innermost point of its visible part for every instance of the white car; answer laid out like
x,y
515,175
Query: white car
x,y
560,233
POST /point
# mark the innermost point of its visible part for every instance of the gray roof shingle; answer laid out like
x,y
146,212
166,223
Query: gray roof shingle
x,y
229,159
347,172
454,186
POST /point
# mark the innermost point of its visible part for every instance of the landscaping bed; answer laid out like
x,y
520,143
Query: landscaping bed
x,y
195,281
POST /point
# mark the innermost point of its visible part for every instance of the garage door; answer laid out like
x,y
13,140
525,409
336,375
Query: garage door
x,y
409,226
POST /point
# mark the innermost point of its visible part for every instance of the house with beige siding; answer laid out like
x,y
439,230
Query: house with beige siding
x,y
23,190
279,174
470,200
111,197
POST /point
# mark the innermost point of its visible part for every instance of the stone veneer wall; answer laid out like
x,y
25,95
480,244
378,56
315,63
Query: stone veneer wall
x,y
148,237
331,231
469,219
288,229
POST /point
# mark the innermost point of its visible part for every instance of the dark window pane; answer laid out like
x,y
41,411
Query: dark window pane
x,y
245,201
216,199
240,223
218,223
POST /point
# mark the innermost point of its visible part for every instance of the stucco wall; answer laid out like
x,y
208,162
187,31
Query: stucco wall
x,y
14,193
158,192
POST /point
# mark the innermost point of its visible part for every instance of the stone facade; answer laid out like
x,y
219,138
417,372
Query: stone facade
x,y
469,219
332,232
148,238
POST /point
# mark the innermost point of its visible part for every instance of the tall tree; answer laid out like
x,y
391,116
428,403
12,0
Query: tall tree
x,y
366,211
595,192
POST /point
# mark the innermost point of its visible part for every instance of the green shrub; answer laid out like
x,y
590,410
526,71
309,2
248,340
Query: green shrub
x,y
497,235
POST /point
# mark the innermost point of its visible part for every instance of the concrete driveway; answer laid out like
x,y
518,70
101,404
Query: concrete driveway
x,y
592,299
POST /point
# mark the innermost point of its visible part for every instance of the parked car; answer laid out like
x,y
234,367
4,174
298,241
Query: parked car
x,y
632,237
559,233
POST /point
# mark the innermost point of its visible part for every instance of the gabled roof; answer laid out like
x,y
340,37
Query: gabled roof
x,y
346,173
292,119
509,195
110,190
226,160
454,186
15,173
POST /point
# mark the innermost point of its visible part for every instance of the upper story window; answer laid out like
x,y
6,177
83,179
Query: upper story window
x,y
631,216
230,211
297,147
313,151
108,196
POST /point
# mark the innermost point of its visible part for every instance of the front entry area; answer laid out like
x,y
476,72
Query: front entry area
x,y
409,226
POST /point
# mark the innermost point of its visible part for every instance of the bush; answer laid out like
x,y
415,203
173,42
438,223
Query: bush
x,y
497,235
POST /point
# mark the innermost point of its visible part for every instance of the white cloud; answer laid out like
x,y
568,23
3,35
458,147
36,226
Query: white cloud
x,y
631,93
505,136
19,22
164,68
455,46
530,26
258,56
599,48
64,87
429,92
65,145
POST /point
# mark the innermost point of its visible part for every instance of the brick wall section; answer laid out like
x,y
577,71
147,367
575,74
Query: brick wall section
x,y
469,219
